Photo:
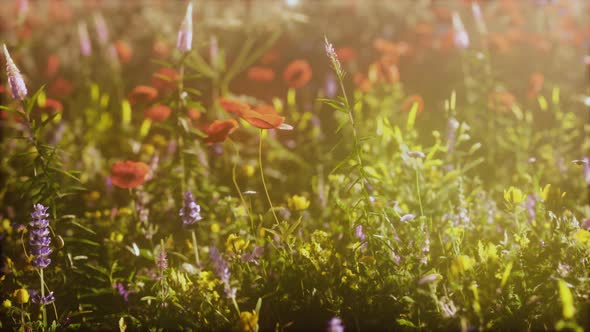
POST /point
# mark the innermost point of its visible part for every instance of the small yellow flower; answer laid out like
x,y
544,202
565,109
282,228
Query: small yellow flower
x,y
248,321
148,149
116,237
582,236
514,195
235,244
125,212
461,264
6,226
215,228
298,203
21,295
248,170
93,195
7,303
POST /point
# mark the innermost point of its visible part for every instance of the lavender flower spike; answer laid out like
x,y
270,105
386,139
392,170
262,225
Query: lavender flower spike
x,y
461,38
190,211
16,83
161,258
101,28
185,34
85,45
39,238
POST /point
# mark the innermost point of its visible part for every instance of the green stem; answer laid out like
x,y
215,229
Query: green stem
x,y
235,181
357,147
196,249
180,135
418,191
22,317
43,312
263,181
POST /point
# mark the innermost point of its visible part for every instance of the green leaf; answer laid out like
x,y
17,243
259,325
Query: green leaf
x,y
405,322
567,300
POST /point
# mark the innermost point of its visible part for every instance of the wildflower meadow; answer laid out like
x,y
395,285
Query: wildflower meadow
x,y
295,165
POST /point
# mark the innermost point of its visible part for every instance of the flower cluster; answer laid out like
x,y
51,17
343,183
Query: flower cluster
x,y
39,239
190,211
18,89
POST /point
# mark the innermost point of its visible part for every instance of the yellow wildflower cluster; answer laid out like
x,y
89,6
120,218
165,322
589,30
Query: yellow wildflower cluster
x,y
248,321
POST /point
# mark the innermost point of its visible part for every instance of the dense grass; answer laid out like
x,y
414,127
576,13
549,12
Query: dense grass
x,y
323,165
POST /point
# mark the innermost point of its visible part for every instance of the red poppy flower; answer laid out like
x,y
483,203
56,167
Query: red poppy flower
x,y
124,51
536,82
264,117
410,101
60,88
142,94
51,105
346,54
501,101
384,46
158,113
193,114
161,49
297,74
233,106
129,174
165,80
219,130
261,74
52,66
362,82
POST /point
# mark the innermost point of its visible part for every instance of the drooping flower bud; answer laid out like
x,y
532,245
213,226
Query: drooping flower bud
x,y
185,33
85,45
101,28
18,89
461,38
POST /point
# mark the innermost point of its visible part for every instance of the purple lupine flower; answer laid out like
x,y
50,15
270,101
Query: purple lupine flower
x,y
39,238
461,38
331,53
101,28
18,89
221,268
162,259
358,231
47,299
37,298
254,256
185,33
407,217
122,291
530,203
85,45
335,325
190,211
